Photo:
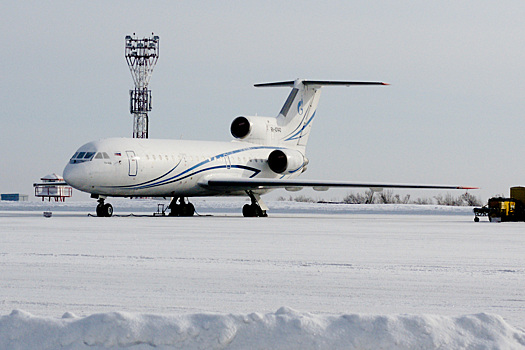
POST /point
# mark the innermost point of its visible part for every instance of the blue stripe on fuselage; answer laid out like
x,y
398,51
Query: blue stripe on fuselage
x,y
184,174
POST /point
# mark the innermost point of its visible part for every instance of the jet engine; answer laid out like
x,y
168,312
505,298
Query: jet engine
x,y
254,128
285,161
240,127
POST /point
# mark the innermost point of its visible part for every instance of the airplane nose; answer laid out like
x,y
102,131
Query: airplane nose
x,y
72,176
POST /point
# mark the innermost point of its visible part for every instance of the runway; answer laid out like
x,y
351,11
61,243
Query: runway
x,y
321,262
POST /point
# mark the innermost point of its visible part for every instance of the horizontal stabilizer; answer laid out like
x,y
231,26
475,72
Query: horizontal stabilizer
x,y
320,83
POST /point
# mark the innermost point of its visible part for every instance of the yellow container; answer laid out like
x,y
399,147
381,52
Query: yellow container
x,y
518,193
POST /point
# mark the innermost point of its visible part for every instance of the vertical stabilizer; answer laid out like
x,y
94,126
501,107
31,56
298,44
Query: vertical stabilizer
x,y
296,116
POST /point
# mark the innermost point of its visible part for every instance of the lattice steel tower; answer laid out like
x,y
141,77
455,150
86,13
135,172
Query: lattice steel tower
x,y
141,55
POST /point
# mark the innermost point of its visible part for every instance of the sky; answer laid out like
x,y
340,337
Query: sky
x,y
453,113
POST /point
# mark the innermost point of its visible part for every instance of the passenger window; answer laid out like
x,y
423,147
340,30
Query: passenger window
x,y
98,156
105,155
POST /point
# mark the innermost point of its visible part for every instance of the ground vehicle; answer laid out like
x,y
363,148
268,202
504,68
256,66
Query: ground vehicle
x,y
504,209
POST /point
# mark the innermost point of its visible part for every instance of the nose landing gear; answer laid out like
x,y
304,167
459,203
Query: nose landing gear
x,y
104,209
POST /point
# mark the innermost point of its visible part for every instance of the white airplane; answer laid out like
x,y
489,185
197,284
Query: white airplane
x,y
267,153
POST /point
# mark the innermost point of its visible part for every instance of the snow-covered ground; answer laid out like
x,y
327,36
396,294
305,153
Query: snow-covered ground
x,y
309,276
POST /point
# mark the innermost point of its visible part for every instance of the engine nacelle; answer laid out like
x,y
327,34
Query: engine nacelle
x,y
254,128
241,127
286,161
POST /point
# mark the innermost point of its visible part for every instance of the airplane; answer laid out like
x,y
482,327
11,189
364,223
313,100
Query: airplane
x,y
266,153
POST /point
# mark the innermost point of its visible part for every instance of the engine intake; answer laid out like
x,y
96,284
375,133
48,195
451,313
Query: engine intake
x,y
285,161
240,127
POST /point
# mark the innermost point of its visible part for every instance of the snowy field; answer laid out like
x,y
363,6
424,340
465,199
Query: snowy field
x,y
310,276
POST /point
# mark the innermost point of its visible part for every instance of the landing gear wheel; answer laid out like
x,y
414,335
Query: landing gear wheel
x,y
182,208
476,219
108,210
253,210
100,210
175,210
104,210
187,209
248,211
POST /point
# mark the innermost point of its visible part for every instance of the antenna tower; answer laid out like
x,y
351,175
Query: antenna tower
x,y
141,55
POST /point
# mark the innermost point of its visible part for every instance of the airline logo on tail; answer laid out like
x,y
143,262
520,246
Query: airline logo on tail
x,y
300,107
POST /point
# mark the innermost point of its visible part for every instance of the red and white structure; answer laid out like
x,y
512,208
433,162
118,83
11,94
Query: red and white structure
x,y
53,186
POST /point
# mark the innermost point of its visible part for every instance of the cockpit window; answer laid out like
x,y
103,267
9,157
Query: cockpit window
x,y
99,155
81,157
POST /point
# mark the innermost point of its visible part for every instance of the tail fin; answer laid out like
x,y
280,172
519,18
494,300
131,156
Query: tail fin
x,y
297,114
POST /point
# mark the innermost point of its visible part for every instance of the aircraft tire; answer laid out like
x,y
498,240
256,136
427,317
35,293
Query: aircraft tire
x,y
249,211
108,210
100,210
191,209
187,210
175,210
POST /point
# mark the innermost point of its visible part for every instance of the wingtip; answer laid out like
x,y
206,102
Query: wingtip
x,y
467,188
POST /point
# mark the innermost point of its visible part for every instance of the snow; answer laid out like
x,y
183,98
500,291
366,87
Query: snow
x,y
310,276
284,329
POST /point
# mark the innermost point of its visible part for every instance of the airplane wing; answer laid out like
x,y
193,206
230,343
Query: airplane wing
x,y
246,184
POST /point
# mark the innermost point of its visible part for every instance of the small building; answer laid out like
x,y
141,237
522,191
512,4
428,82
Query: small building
x,y
53,186
15,197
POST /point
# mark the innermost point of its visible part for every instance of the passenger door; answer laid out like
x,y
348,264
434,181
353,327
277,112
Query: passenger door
x,y
133,163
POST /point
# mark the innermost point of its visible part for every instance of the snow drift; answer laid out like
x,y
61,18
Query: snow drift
x,y
284,329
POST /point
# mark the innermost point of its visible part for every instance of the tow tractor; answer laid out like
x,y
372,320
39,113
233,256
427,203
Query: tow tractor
x,y
500,209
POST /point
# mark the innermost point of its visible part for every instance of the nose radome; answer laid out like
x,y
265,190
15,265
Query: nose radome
x,y
71,175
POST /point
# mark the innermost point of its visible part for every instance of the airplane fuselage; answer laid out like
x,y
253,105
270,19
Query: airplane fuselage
x,y
268,153
167,168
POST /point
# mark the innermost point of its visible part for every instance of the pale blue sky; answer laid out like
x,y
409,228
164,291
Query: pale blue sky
x,y
453,114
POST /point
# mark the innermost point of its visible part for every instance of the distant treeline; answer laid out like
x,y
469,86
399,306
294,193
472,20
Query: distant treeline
x,y
389,197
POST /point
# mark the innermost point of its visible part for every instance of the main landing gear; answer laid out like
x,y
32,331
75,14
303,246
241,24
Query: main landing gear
x,y
104,209
257,208
182,208
179,206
